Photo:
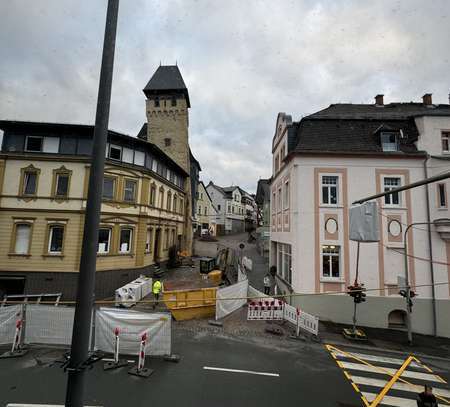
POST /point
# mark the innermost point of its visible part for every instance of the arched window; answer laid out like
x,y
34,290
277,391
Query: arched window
x,y
161,197
169,201
174,203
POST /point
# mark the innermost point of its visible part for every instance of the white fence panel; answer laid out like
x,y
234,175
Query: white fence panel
x,y
308,322
132,325
8,319
48,324
238,293
290,314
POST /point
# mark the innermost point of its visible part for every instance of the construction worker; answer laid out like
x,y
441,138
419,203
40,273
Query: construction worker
x,y
156,289
427,398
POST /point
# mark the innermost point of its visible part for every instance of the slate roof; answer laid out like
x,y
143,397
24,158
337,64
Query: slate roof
x,y
355,128
167,80
263,191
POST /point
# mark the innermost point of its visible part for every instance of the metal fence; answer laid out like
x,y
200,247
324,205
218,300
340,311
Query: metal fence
x,y
8,320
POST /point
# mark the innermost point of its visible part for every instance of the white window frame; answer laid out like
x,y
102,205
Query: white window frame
x,y
389,198
30,228
445,136
329,256
125,189
34,151
329,187
148,240
386,145
109,240
115,146
50,236
286,195
130,242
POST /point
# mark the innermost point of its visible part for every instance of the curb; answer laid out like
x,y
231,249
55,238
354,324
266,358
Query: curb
x,y
366,347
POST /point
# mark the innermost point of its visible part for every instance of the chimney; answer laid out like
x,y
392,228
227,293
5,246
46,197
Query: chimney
x,y
379,100
427,101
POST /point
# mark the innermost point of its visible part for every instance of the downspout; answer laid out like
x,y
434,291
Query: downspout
x,y
433,291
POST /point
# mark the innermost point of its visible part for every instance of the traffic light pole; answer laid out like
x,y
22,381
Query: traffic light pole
x,y
86,277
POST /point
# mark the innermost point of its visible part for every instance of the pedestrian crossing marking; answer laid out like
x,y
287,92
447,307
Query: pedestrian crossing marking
x,y
396,381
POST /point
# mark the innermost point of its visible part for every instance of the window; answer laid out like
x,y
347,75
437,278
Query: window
x,y
55,239
129,190
329,190
153,195
172,237
156,102
175,203
174,101
390,184
389,142
274,207
167,141
330,261
104,240
232,209
108,188
442,196
228,208
206,210
115,152
218,207
125,240
23,236
181,206
169,201
34,144
148,240
277,161
445,137
286,195
154,165
30,183
287,263
279,199
161,197
199,210
166,243
62,185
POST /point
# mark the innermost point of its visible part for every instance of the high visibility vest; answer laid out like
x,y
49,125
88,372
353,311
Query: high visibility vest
x,y
157,287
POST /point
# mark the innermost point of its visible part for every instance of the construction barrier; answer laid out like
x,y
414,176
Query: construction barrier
x,y
191,304
308,322
8,320
237,294
132,325
255,294
47,324
265,309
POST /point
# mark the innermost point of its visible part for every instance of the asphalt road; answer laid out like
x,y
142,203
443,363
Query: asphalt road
x,y
308,376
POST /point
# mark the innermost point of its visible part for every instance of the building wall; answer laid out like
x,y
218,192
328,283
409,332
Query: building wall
x,y
206,212
42,210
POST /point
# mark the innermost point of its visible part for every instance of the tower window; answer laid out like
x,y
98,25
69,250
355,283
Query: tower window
x,y
174,101
167,141
156,102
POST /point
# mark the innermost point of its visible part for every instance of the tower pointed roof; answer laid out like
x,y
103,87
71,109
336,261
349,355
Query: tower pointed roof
x,y
167,80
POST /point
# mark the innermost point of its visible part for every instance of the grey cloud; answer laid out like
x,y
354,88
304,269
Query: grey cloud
x,y
242,61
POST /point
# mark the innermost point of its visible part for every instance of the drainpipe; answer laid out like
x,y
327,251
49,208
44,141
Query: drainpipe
x,y
433,291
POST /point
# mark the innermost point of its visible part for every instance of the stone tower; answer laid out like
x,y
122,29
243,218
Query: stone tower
x,y
167,107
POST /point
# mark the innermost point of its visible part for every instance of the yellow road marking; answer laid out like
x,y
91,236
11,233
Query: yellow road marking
x,y
332,348
347,375
355,387
391,382
366,403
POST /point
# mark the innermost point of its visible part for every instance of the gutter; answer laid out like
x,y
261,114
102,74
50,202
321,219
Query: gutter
x,y
433,290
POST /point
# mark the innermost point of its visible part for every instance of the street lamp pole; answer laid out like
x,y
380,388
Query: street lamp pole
x,y
86,276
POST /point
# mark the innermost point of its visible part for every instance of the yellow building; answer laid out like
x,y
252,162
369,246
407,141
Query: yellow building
x,y
44,172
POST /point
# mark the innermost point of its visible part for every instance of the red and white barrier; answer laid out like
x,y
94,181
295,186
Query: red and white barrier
x,y
141,360
17,336
265,309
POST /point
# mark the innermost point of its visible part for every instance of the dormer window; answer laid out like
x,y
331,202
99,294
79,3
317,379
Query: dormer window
x,y
389,141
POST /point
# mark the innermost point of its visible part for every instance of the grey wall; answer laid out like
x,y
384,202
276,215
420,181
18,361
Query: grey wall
x,y
374,312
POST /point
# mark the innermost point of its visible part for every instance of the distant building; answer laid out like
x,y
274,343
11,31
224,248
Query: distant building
x,y
236,208
345,152
146,208
206,212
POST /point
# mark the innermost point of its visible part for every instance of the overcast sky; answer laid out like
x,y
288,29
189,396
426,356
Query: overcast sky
x,y
243,62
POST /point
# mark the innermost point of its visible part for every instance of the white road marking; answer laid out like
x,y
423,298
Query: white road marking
x,y
240,371
369,381
393,401
384,370
374,358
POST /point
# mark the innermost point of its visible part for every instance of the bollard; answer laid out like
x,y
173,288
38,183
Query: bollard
x,y
140,370
16,350
116,363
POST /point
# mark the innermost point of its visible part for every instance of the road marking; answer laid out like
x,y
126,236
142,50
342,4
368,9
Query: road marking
x,y
374,358
414,388
387,370
395,401
222,369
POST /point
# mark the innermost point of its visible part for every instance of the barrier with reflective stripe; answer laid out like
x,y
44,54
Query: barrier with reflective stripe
x,y
265,309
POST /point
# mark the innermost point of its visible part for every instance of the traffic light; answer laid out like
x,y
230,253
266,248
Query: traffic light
x,y
357,292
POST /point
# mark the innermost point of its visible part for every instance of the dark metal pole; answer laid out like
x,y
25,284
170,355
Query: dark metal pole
x,y
86,277
425,181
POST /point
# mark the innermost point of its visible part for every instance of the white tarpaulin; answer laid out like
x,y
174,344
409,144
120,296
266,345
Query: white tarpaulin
x,y
238,293
48,324
8,319
241,274
255,294
132,325
247,263
364,223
